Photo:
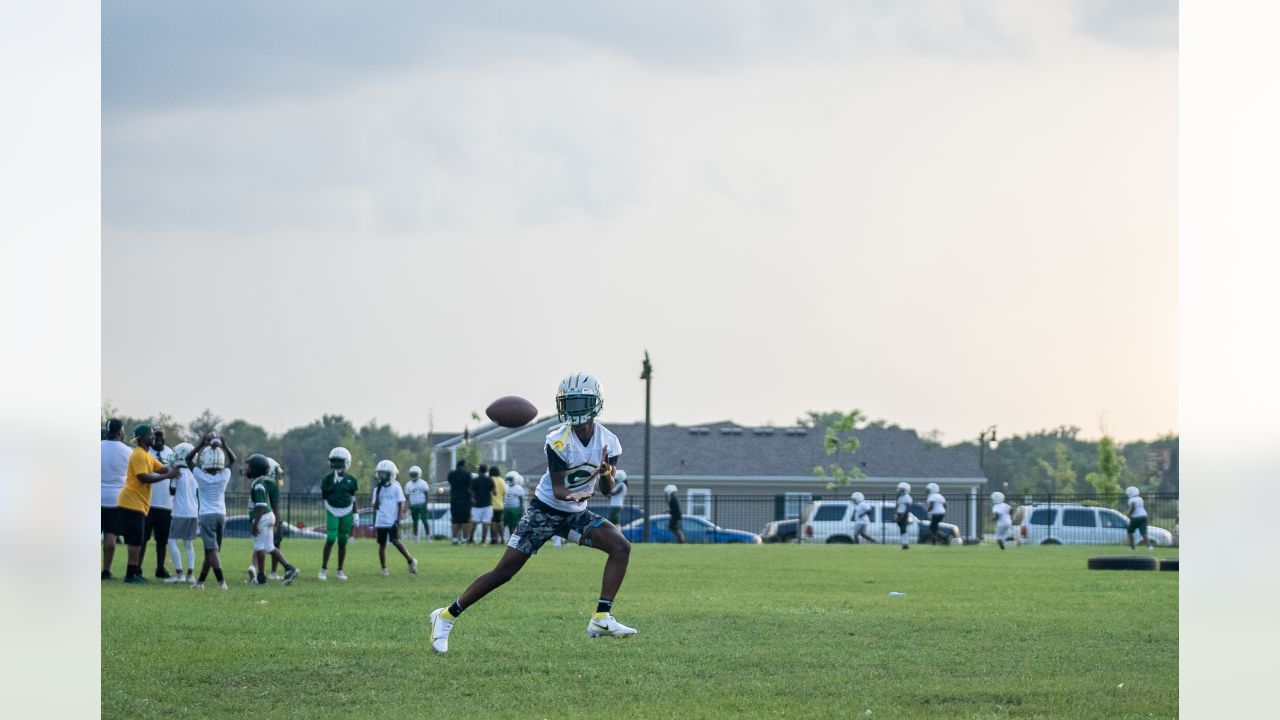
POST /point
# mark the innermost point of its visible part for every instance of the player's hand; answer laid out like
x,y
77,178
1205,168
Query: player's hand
x,y
605,469
254,530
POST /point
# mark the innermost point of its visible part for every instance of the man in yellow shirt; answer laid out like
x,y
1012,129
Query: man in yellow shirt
x,y
499,489
134,501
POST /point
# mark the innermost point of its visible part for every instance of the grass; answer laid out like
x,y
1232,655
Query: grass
x,y
725,631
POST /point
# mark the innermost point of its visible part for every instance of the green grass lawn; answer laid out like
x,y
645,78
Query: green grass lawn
x,y
724,631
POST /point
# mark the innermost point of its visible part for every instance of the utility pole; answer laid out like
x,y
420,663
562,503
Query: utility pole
x,y
647,376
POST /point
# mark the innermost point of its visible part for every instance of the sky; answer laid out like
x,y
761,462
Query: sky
x,y
947,214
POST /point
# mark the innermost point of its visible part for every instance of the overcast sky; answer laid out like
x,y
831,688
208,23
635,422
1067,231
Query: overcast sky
x,y
948,214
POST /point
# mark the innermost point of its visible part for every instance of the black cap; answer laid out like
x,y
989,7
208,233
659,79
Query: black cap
x,y
114,426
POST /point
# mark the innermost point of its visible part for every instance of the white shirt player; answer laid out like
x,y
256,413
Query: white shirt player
x,y
904,503
1136,507
389,498
514,497
160,497
417,490
862,513
581,460
1001,511
937,504
115,464
184,500
619,495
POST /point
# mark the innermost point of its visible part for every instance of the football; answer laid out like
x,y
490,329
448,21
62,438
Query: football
x,y
511,411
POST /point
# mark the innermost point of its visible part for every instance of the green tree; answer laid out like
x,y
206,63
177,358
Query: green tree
x,y
838,438
1106,481
304,451
205,422
1060,473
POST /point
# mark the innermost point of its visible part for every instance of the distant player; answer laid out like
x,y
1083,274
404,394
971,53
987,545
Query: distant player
x,y
418,490
1000,512
902,512
581,456
618,498
499,490
861,517
674,516
1137,518
513,501
481,506
339,492
388,508
937,510
459,480
211,461
161,512
261,528
185,520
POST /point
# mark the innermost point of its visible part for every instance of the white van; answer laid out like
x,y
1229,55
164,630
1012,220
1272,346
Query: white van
x,y
1080,525
831,521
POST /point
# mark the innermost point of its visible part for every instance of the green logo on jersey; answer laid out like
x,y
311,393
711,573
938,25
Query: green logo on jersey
x,y
578,476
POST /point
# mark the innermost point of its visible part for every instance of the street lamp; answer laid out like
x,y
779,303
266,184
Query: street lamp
x,y
984,437
646,375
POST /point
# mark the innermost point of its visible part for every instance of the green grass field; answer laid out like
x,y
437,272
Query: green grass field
x,y
724,631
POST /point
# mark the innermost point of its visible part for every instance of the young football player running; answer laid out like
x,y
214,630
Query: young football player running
x,y
388,508
937,510
674,515
581,455
1000,513
902,512
258,469
418,490
861,518
1138,519
339,492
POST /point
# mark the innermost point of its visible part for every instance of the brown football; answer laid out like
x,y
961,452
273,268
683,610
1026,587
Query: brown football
x,y
511,411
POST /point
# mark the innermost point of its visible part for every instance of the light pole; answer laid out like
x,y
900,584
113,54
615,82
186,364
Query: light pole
x,y
646,375
984,437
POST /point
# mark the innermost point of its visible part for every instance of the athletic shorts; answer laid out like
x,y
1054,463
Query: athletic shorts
x,y
460,510
110,526
184,528
902,522
338,528
859,528
211,526
511,518
419,512
481,514
1004,531
1138,524
390,533
158,520
132,524
541,522
934,522
265,540
674,524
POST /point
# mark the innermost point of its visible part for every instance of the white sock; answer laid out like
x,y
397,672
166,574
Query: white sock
x,y
191,555
177,556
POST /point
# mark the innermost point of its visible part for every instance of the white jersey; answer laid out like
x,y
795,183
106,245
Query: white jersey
x,y
160,497
514,496
389,498
862,513
115,464
184,498
619,495
937,504
1136,508
1001,511
417,491
580,460
212,490
904,504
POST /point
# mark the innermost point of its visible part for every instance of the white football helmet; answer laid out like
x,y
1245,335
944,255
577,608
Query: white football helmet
x,y
212,459
932,487
180,453
340,453
997,497
415,472
620,476
387,471
857,497
514,478
904,487
276,472
670,489
579,398
1131,491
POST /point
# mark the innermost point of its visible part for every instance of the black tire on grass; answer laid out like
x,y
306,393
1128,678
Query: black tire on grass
x,y
1123,562
1169,564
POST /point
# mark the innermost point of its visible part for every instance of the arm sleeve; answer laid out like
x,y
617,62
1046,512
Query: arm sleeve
x,y
555,463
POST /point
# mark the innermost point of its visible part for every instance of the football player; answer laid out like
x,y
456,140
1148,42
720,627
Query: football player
x,y
1138,518
937,510
388,508
185,521
211,461
861,517
902,512
259,470
339,492
674,516
418,490
1000,513
581,456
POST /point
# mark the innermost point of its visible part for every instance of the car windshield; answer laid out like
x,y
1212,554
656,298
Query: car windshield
x,y
829,512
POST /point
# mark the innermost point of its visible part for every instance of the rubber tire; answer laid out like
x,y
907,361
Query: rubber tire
x,y
1123,562
839,540
1050,541
1169,564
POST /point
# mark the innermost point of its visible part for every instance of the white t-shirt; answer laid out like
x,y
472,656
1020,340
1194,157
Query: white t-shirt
x,y
212,490
115,465
861,512
1136,509
937,504
184,500
904,503
417,490
619,494
1001,511
160,497
388,497
581,460
514,496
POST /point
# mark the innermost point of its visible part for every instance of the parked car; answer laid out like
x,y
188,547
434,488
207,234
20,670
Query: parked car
x,y
627,513
780,531
238,526
1081,525
950,532
695,529
831,521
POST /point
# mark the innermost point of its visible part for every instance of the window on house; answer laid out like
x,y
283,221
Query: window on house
x,y
699,503
794,503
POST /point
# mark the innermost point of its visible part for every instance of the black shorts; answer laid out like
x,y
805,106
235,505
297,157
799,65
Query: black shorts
x,y
461,511
158,520
901,519
110,523
674,524
934,521
392,533
132,524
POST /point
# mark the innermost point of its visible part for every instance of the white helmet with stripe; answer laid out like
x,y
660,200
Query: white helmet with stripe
x,y
579,398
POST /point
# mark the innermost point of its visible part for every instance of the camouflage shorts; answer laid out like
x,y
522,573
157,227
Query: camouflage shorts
x,y
539,524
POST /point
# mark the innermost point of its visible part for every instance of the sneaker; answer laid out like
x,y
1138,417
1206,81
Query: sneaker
x,y
1000,543
440,629
385,572
223,585
342,575
191,578
273,576
253,575
289,575
163,574
413,566
136,580
605,625
174,579
198,586
324,574
106,575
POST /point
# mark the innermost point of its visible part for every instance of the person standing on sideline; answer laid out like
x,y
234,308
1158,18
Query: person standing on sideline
x,y
184,523
211,462
618,497
1138,518
581,457
259,471
275,481
1000,513
459,500
861,518
161,512
513,501
115,464
937,510
481,506
339,492
417,491
134,500
388,509
676,516
902,512
499,490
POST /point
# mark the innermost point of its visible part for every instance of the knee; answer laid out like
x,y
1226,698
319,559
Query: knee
x,y
342,539
621,550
